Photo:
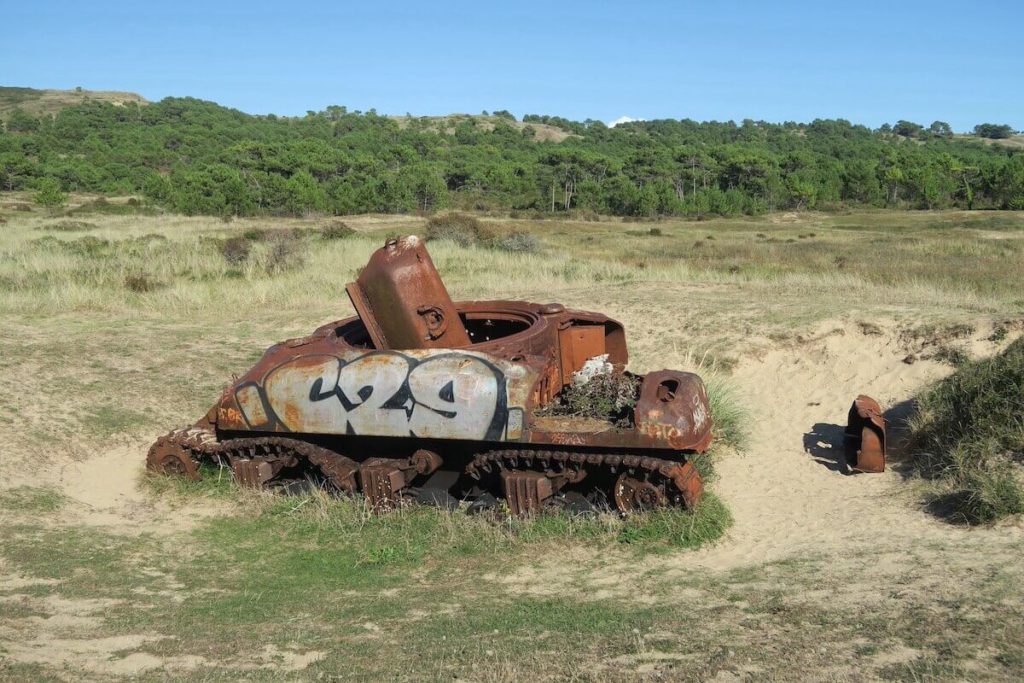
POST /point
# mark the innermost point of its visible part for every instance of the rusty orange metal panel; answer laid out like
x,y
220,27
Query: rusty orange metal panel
x,y
864,437
576,345
403,302
673,408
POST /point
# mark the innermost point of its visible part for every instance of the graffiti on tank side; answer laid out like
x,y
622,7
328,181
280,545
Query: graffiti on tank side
x,y
447,395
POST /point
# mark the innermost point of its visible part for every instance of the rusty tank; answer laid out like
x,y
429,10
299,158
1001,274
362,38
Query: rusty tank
x,y
420,398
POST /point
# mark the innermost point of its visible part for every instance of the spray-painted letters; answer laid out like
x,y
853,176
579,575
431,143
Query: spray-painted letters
x,y
448,395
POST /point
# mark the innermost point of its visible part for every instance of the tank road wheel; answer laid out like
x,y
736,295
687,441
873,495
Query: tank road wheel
x,y
168,457
636,495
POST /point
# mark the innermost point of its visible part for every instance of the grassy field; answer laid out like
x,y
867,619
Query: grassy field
x,y
1016,141
120,327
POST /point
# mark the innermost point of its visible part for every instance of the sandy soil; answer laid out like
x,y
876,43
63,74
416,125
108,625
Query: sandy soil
x,y
788,493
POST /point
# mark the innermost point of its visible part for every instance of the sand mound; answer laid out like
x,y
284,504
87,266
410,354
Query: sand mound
x,y
789,493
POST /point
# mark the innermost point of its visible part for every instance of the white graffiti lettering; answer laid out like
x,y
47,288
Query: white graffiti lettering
x,y
370,383
447,395
449,387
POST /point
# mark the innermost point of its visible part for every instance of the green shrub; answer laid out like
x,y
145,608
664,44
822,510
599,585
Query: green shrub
x,y
461,228
88,245
968,437
141,282
953,355
336,230
100,205
284,254
49,194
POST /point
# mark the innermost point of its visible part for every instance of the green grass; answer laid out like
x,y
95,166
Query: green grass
x,y
215,483
290,576
317,571
32,499
730,416
968,436
670,530
419,534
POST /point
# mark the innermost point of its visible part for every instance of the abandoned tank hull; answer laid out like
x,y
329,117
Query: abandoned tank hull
x,y
448,423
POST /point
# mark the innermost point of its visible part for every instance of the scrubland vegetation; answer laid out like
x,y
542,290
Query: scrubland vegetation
x,y
196,157
969,438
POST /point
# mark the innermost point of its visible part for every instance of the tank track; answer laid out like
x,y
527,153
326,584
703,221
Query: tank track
x,y
254,461
644,482
531,478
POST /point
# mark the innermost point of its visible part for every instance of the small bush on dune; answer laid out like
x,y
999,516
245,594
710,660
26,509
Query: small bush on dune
x,y
461,228
100,205
141,283
517,242
83,246
69,226
272,234
285,254
336,230
968,437
50,194
236,250
467,231
275,250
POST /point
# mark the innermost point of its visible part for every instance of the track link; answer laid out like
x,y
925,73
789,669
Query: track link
x,y
643,482
254,461
530,478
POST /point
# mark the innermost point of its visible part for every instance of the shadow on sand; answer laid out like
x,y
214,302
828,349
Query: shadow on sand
x,y
824,442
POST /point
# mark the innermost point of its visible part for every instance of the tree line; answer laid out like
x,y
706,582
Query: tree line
x,y
197,157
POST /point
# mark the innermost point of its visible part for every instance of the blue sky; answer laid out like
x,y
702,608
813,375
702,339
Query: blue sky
x,y
869,62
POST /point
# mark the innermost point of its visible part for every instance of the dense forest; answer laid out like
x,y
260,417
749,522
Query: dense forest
x,y
197,157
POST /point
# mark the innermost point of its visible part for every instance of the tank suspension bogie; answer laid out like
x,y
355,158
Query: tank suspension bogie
x,y
529,479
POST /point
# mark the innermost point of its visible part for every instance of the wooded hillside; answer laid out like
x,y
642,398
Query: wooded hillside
x,y
197,157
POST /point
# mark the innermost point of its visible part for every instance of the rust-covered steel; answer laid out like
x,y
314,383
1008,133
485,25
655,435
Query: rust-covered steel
x,y
402,301
419,397
864,437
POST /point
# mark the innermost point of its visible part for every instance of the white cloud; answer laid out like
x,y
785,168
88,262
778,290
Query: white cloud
x,y
622,119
